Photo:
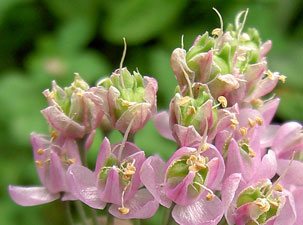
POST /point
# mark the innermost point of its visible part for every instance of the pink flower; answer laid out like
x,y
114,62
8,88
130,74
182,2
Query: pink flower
x,y
187,180
52,158
129,97
116,180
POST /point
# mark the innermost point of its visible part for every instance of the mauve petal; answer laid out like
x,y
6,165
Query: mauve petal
x,y
223,84
112,190
294,174
104,153
255,72
83,186
152,176
178,154
265,48
71,148
150,91
268,110
63,123
288,213
140,112
129,151
206,114
57,174
263,87
179,194
218,167
245,213
30,196
179,66
186,136
287,137
89,140
298,197
229,188
68,197
221,139
161,121
141,206
267,168
201,212
268,135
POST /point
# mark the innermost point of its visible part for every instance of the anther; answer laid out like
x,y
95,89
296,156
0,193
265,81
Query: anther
x,y
258,102
234,123
191,110
39,163
282,78
223,101
251,152
216,32
184,100
205,147
263,204
251,122
123,210
54,135
40,151
259,120
243,131
210,196
279,187
270,74
71,161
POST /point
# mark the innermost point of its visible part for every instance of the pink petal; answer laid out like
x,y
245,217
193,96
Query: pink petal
x,y
140,111
288,213
265,48
150,91
201,212
141,206
83,185
30,196
63,123
161,121
152,176
298,197
104,153
268,135
294,174
269,109
89,140
57,174
179,194
186,136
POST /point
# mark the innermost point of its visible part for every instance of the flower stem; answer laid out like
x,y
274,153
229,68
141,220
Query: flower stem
x,y
81,212
131,138
94,216
167,218
136,222
110,219
68,213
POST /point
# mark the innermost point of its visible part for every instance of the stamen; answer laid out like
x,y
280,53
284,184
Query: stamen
x,y
182,41
210,194
40,151
121,62
243,131
191,110
258,102
282,78
125,138
184,100
251,122
221,22
223,101
251,152
188,83
203,145
259,120
124,210
263,204
71,161
279,187
234,123
54,136
39,163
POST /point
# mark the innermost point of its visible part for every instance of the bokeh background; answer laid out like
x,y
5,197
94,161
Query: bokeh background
x,y
42,40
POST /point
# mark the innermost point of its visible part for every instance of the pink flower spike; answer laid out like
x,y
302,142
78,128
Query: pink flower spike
x,y
30,196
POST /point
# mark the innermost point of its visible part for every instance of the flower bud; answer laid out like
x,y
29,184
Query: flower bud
x,y
130,97
73,111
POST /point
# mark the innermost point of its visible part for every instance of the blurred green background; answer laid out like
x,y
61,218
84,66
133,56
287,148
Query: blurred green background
x,y
42,40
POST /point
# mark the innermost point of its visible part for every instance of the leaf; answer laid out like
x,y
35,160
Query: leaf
x,y
139,20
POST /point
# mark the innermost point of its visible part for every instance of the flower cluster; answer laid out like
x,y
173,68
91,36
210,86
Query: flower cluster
x,y
232,166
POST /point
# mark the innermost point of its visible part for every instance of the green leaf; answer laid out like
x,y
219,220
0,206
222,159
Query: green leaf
x,y
139,20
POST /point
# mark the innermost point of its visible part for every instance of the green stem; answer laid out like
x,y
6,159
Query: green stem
x,y
110,219
68,213
94,216
167,218
131,138
136,222
82,151
81,212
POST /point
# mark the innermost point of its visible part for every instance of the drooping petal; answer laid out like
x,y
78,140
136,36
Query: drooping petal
x,y
83,185
63,123
152,176
161,121
294,174
268,110
57,175
201,212
288,214
30,196
141,206
186,136
104,153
